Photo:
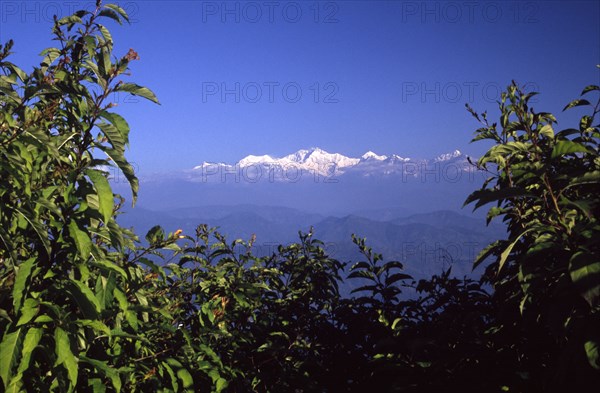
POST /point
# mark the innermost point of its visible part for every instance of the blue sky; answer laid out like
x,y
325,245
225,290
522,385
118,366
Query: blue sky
x,y
239,78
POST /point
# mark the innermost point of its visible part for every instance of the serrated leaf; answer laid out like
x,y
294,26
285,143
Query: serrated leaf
x,y
9,352
508,250
21,280
28,311
487,251
64,355
32,339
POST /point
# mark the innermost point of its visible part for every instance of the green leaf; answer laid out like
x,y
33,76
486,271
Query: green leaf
x,y
9,352
110,14
85,298
82,240
51,55
113,135
69,20
40,230
568,147
584,269
119,10
182,373
221,384
485,196
592,350
547,131
110,372
104,192
392,279
31,341
21,280
589,177
119,123
487,251
508,249
574,103
65,356
97,385
28,311
98,326
361,265
138,91
119,159
589,88
155,235
105,32
110,266
105,290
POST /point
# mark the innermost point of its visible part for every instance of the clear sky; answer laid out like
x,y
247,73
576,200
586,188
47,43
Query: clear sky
x,y
272,77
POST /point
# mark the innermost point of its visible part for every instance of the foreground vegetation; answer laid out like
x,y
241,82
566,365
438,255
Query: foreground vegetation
x,y
84,307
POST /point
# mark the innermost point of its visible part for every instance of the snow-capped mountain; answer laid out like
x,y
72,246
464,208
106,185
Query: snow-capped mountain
x,y
372,156
318,162
448,156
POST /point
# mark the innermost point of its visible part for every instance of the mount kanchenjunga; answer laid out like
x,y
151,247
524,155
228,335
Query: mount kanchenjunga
x,y
320,163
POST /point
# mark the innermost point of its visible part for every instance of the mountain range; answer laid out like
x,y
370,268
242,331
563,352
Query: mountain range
x,y
408,209
314,180
317,163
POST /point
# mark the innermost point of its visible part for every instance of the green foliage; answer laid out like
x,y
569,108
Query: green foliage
x,y
545,187
85,307
76,310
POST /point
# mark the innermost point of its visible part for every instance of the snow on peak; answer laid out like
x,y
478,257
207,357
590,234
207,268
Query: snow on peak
x,y
396,158
372,156
448,156
319,161
207,164
253,160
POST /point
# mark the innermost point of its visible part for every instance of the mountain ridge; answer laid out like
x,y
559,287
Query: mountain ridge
x,y
320,162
